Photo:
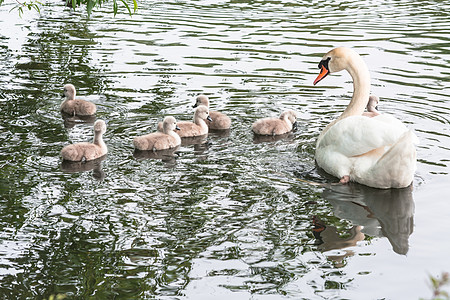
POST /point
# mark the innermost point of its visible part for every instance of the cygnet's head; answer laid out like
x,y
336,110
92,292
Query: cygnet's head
x,y
202,112
100,126
289,115
170,124
69,91
373,102
202,100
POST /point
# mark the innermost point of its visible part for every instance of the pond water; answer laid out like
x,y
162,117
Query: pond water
x,y
230,216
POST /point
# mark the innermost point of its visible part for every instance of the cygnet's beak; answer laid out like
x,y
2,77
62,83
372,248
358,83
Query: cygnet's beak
x,y
62,95
209,118
294,125
177,128
195,105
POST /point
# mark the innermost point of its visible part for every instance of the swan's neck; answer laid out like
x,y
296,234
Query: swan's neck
x,y
361,88
170,132
167,130
98,138
175,135
288,122
200,122
71,96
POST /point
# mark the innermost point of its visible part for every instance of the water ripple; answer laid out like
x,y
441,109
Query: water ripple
x,y
225,216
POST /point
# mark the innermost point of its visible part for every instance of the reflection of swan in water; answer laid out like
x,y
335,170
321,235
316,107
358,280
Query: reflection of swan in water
x,y
200,143
168,156
71,121
194,140
328,238
388,213
83,166
257,139
219,132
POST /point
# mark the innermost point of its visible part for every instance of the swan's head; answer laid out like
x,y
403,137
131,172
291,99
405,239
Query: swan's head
x,y
336,60
289,115
202,100
202,112
170,124
100,126
69,91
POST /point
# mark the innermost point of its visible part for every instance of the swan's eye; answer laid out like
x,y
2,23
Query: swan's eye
x,y
324,63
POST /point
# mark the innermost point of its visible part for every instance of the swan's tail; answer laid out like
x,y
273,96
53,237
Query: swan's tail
x,y
395,169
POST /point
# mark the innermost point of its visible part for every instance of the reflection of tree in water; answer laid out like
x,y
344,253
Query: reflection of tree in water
x,y
55,52
47,60
74,253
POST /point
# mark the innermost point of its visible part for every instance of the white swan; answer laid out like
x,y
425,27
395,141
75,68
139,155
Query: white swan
x,y
378,151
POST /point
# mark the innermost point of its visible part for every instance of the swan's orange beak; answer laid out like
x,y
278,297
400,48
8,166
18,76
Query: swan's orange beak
x,y
323,73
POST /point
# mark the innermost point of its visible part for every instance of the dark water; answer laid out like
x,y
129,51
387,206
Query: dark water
x,y
228,217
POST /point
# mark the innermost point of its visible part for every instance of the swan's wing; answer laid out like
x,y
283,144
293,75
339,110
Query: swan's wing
x,y
392,121
357,135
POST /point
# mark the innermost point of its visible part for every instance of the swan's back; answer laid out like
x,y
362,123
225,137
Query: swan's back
x,y
81,151
270,126
378,152
357,135
396,167
220,121
190,129
78,107
156,141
